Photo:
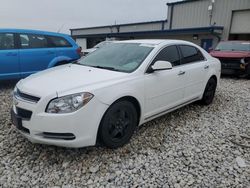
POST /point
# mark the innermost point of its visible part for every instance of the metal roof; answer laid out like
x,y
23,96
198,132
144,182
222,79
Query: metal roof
x,y
197,30
180,2
127,24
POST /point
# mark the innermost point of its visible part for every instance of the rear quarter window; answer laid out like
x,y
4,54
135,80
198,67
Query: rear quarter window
x,y
59,42
190,54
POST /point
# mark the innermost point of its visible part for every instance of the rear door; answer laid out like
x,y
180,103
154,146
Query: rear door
x,y
196,68
9,63
35,53
63,48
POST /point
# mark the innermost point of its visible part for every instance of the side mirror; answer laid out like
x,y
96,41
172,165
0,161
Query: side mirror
x,y
161,65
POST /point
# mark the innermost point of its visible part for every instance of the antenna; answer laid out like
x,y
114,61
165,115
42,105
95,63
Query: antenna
x,y
60,28
210,11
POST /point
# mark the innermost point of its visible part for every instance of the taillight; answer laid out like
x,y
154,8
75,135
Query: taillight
x,y
79,51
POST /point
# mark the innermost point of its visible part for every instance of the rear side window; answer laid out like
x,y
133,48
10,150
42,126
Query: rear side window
x,y
190,54
33,41
169,54
7,41
59,42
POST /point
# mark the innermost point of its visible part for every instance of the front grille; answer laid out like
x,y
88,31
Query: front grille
x,y
27,97
24,114
59,136
230,63
25,130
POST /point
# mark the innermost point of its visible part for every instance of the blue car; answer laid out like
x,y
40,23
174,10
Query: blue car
x,y
24,52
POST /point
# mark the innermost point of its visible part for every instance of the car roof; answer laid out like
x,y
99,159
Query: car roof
x,y
157,41
31,32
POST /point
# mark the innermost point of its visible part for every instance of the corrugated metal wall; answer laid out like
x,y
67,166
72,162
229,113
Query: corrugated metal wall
x,y
122,28
141,27
100,30
195,14
191,14
240,22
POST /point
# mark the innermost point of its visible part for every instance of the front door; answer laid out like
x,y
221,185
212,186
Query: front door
x,y
164,89
9,64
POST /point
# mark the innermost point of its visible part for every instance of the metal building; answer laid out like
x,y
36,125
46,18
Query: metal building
x,y
204,22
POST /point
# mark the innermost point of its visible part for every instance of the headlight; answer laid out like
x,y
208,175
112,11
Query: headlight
x,y
242,61
68,104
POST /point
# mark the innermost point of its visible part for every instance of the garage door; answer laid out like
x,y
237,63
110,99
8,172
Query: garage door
x,y
82,42
240,22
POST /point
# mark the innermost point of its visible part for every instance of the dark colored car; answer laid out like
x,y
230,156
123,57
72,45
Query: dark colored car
x,y
234,57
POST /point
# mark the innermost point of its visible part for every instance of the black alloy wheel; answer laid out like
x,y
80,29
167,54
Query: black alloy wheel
x,y
118,124
209,92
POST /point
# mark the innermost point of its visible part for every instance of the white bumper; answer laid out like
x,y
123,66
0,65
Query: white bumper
x,y
83,124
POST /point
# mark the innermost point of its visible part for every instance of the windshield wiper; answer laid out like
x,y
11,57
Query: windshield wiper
x,y
103,67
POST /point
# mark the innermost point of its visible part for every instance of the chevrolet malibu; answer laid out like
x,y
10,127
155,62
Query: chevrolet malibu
x,y
103,97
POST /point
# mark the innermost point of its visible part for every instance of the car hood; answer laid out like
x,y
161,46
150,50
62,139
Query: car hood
x,y
67,79
230,54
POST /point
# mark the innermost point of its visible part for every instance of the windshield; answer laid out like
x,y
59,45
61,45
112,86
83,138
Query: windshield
x,y
101,44
122,57
233,46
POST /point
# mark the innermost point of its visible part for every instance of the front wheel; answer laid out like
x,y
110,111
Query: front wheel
x,y
118,124
209,92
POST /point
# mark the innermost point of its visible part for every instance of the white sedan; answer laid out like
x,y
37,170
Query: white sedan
x,y
103,97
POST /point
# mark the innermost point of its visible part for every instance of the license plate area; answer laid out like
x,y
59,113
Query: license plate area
x,y
17,122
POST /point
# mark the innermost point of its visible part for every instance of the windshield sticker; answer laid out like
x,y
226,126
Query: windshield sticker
x,y
148,45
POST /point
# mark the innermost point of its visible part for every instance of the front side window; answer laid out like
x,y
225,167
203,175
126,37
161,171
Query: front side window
x,y
59,42
122,57
169,54
33,41
190,54
7,41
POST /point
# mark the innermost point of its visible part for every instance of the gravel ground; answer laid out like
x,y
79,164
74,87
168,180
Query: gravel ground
x,y
190,147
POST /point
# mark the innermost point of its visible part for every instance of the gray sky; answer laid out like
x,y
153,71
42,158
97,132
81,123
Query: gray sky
x,y
51,15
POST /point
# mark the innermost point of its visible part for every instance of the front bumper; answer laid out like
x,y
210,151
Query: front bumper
x,y
77,129
234,66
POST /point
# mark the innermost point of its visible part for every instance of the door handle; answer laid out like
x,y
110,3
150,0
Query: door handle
x,y
206,66
181,73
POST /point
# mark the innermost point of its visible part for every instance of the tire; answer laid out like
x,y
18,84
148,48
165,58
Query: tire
x,y
209,92
118,124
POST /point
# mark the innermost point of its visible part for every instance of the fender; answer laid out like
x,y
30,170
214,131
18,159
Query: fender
x,y
59,59
134,89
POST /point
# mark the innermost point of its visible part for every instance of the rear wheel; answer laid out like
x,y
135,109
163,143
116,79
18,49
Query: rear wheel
x,y
118,124
209,92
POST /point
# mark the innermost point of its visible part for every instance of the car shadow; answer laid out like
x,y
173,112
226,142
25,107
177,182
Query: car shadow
x,y
8,84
